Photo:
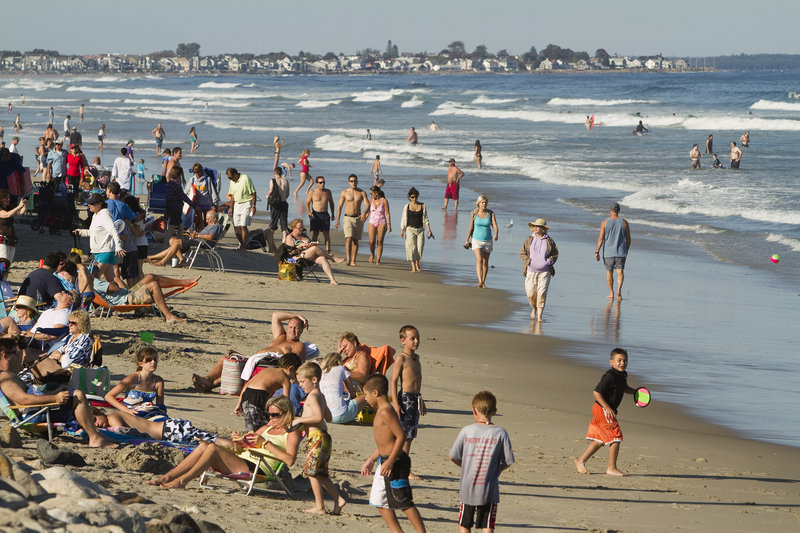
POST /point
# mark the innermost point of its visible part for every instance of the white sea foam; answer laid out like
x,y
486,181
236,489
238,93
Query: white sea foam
x,y
27,84
693,228
107,79
595,102
105,100
383,96
169,93
217,85
769,105
791,242
313,104
483,99
414,102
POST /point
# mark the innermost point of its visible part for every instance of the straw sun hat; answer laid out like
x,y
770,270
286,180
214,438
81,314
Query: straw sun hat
x,y
538,222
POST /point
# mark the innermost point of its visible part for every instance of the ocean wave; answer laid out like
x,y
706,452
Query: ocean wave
x,y
692,228
105,100
107,79
791,242
483,99
182,102
168,93
415,101
596,103
217,85
776,106
384,96
313,104
31,85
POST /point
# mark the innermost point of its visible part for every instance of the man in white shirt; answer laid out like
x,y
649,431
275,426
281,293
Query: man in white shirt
x,y
13,148
121,172
67,129
53,318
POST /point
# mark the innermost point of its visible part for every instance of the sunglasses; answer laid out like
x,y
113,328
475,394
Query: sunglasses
x,y
71,323
320,182
412,197
274,415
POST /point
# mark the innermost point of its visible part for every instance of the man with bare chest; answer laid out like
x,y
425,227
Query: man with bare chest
x,y
352,199
454,175
319,205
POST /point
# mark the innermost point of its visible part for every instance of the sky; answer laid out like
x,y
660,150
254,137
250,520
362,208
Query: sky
x,y
678,28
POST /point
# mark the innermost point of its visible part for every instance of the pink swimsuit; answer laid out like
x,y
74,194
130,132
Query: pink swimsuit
x,y
377,215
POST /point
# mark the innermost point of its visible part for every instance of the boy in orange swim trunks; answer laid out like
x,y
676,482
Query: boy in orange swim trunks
x,y
604,429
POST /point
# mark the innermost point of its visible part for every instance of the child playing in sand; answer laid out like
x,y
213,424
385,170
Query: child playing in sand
x,y
318,441
261,387
604,429
405,387
483,451
335,379
143,390
390,487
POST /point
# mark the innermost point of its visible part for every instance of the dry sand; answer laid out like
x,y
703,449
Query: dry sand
x,y
685,474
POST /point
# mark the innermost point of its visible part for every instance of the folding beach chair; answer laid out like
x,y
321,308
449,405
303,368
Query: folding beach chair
x,y
20,421
208,248
57,333
250,480
157,197
285,254
106,308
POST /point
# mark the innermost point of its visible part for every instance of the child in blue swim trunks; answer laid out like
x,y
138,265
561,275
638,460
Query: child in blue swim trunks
x,y
406,385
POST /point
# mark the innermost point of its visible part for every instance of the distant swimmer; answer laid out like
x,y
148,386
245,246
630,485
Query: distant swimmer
x,y
277,142
716,163
412,138
587,122
745,139
695,156
640,129
81,112
193,140
433,126
478,157
287,168
369,135
17,123
206,103
736,155
376,169
21,99
10,107
710,145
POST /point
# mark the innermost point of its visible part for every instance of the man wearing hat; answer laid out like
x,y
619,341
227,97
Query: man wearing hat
x,y
55,162
539,252
614,241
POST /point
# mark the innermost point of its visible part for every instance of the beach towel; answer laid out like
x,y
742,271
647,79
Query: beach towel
x,y
312,352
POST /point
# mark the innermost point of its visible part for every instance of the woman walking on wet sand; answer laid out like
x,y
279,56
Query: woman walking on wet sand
x,y
482,230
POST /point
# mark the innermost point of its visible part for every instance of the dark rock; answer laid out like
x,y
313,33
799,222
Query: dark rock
x,y
209,527
9,437
6,470
180,522
53,455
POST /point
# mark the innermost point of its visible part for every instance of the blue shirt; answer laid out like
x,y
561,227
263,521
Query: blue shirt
x,y
119,210
56,158
296,396
614,244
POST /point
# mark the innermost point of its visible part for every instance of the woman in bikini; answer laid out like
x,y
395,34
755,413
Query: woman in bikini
x,y
233,456
143,390
278,144
304,175
478,155
310,251
379,222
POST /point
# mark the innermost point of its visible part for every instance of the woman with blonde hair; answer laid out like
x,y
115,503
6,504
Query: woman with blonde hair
x,y
308,250
76,348
278,144
344,406
482,230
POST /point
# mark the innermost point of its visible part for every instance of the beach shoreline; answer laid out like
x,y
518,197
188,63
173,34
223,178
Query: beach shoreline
x,y
684,472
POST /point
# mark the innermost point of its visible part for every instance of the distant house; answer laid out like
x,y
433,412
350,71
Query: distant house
x,y
653,63
546,64
181,64
634,63
681,63
617,62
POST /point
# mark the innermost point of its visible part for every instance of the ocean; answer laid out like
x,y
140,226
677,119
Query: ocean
x,y
706,316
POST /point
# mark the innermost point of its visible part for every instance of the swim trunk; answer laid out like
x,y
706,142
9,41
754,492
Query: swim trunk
x,y
353,227
106,258
485,519
241,214
695,163
392,491
318,453
159,141
409,413
179,431
138,294
64,414
601,428
734,164
486,246
100,138
614,263
279,214
451,191
254,408
320,221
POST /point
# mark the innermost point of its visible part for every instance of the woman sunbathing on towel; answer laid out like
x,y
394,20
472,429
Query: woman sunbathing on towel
x,y
310,251
273,438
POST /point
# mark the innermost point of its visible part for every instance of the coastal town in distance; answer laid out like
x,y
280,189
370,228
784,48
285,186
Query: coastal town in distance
x,y
186,59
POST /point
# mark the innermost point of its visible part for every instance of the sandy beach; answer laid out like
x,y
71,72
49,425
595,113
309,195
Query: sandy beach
x,y
684,473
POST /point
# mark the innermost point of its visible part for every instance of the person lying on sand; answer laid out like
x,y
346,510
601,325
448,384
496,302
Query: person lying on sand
x,y
148,290
285,340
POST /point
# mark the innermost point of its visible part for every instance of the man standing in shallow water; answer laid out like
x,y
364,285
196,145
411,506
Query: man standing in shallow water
x,y
454,175
352,199
615,241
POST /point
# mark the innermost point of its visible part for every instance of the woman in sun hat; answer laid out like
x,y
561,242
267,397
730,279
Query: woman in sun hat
x,y
539,252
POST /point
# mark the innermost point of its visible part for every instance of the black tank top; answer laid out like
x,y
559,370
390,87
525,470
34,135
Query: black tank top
x,y
414,218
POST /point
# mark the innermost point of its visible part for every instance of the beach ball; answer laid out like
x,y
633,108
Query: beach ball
x,y
775,258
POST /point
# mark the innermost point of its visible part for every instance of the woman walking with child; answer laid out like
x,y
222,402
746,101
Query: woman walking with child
x,y
482,230
412,227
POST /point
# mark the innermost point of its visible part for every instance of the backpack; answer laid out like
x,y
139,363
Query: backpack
x,y
274,198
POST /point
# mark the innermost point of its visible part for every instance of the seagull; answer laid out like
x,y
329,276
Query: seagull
x,y
510,223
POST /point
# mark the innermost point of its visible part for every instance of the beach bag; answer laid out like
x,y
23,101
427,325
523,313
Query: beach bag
x,y
274,198
287,271
19,183
232,382
95,381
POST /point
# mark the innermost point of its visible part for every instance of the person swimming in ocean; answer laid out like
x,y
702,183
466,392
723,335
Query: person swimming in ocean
x,y
639,129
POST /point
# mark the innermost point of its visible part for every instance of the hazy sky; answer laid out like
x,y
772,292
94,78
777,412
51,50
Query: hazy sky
x,y
674,28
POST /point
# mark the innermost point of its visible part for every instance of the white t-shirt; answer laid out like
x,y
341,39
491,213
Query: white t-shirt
x,y
332,387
